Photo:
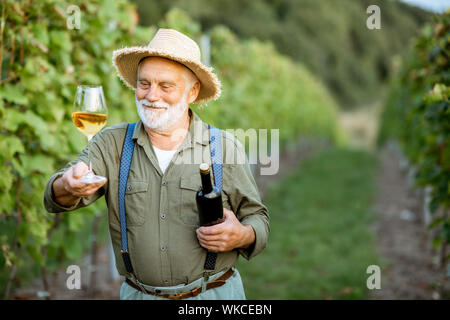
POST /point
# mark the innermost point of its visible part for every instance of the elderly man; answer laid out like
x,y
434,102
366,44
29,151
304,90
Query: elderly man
x,y
167,247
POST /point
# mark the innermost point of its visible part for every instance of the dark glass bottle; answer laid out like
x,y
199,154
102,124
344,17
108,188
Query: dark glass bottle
x,y
209,199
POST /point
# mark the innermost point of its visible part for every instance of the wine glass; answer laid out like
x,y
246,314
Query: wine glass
x,y
89,116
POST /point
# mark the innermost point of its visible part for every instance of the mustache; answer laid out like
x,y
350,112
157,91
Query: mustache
x,y
146,103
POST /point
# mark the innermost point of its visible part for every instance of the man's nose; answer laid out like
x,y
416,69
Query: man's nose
x,y
152,94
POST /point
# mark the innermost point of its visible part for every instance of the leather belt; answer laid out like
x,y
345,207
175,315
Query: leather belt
x,y
189,294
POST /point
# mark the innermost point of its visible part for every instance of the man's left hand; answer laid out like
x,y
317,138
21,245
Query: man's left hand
x,y
226,236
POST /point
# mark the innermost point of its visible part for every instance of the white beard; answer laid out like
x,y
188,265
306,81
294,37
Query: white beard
x,y
157,119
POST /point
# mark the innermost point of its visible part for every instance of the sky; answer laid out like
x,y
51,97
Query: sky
x,y
432,5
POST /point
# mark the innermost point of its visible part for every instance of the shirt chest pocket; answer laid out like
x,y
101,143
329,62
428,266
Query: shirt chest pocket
x,y
188,206
137,200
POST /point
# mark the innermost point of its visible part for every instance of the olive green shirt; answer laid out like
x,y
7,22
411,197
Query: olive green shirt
x,y
161,210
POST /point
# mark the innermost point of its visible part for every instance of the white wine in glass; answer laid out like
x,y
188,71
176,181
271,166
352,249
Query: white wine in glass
x,y
89,116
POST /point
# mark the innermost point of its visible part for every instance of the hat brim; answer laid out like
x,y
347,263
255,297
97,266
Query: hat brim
x,y
126,63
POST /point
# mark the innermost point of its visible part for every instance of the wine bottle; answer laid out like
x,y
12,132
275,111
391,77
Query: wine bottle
x,y
209,199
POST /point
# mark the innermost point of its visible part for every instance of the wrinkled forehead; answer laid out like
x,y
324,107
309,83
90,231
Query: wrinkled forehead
x,y
157,68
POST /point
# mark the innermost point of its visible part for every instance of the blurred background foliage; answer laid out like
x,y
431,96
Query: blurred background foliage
x,y
419,99
42,61
325,36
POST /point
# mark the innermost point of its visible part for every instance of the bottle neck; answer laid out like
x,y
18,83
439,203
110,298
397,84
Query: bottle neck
x,y
206,182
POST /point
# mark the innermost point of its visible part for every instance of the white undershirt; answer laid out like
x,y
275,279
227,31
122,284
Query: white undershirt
x,y
164,157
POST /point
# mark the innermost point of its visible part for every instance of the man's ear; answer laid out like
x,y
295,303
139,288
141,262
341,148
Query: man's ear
x,y
193,93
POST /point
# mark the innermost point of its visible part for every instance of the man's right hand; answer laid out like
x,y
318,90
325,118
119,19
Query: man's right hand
x,y
67,189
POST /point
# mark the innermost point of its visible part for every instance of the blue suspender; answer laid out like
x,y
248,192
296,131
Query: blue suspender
x,y
216,157
125,163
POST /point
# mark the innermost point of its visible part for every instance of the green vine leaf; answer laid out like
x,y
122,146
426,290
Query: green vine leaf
x,y
13,94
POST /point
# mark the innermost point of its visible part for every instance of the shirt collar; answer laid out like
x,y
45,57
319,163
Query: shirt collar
x,y
198,132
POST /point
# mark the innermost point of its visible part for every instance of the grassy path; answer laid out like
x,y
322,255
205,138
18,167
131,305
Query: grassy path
x,y
321,242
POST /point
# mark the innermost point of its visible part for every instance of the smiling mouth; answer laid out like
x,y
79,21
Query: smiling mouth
x,y
154,108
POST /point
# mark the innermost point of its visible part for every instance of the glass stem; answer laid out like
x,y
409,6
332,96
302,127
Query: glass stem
x,y
89,152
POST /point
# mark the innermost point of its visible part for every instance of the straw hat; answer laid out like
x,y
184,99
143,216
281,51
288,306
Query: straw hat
x,y
173,45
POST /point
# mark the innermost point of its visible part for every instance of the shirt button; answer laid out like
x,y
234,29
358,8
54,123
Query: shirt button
x,y
166,281
164,183
163,216
163,248
129,188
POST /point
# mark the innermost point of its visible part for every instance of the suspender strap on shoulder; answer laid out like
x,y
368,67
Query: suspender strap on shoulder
x,y
125,163
216,157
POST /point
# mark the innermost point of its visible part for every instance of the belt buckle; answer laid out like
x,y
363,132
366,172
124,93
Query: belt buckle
x,y
192,292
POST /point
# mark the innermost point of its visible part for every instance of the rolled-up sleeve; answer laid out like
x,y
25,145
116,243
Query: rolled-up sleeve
x,y
49,200
246,202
